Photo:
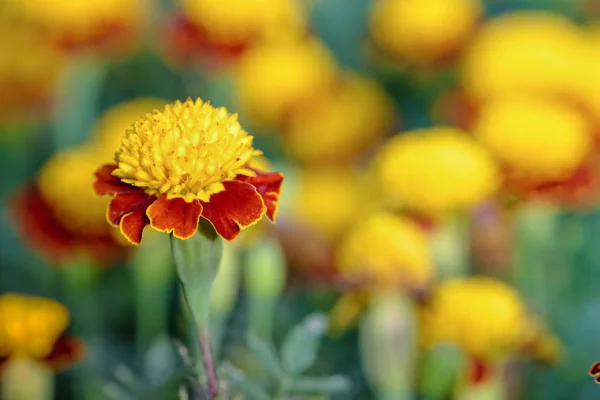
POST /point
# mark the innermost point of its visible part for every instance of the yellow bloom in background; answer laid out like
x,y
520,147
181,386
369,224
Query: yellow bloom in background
x,y
483,316
385,250
274,78
588,78
338,127
524,51
65,182
434,171
30,326
242,21
423,31
81,21
537,137
29,68
111,126
328,200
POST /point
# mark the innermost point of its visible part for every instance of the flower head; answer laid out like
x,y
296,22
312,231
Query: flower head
x,y
525,51
33,327
273,79
385,250
483,316
436,170
60,214
338,127
538,138
187,161
111,126
423,31
244,22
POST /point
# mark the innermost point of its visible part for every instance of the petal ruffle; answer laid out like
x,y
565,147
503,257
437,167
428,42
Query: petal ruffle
x,y
128,211
238,206
268,185
107,183
175,215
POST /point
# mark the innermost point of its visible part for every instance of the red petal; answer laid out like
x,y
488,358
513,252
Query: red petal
x,y
479,372
268,185
128,210
175,215
37,225
67,351
107,183
236,207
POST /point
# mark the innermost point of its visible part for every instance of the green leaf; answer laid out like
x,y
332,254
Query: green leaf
x,y
267,355
299,349
329,384
237,383
439,372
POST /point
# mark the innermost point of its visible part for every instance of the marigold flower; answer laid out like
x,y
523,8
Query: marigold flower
x,y
273,79
186,162
60,214
483,316
536,137
34,327
423,31
385,250
525,51
436,170
338,127
29,69
326,199
76,23
241,22
110,128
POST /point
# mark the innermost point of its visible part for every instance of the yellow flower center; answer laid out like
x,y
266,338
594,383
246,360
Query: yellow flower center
x,y
185,151
483,316
29,326
66,184
386,250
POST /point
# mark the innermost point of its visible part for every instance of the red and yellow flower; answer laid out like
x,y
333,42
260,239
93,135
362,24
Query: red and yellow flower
x,y
33,327
60,215
183,163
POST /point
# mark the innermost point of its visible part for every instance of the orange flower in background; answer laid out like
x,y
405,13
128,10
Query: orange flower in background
x,y
33,327
59,214
186,162
107,24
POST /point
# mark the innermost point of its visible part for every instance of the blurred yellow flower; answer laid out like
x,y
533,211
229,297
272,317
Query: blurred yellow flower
x,y
483,316
423,31
434,171
588,79
340,126
66,184
385,250
525,51
29,69
111,126
536,137
273,79
81,21
242,21
327,199
29,326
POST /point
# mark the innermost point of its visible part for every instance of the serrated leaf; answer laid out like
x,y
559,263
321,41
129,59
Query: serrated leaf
x,y
267,355
328,384
300,347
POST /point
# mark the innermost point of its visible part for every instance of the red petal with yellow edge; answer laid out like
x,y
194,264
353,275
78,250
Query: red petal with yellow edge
x,y
175,215
128,211
236,207
67,351
268,185
107,183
